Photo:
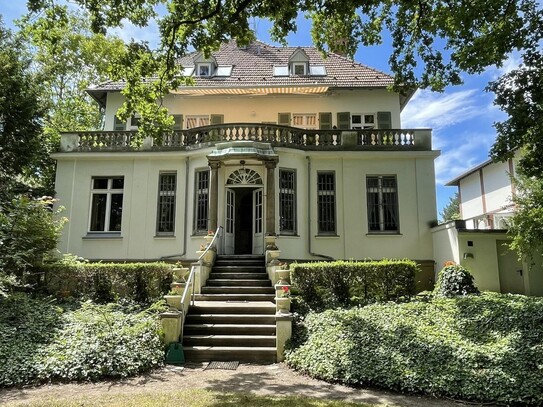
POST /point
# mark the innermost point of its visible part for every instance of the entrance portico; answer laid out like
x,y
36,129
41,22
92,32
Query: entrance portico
x,y
247,197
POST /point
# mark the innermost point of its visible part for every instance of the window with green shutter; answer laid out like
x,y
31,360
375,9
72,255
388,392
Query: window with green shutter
x,y
325,121
283,119
177,122
384,120
217,119
344,120
118,124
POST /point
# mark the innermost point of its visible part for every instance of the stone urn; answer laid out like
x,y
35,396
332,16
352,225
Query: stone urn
x,y
282,305
180,274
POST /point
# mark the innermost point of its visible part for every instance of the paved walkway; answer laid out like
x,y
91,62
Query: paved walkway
x,y
274,379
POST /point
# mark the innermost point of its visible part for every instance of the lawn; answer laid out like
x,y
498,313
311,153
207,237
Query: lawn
x,y
191,398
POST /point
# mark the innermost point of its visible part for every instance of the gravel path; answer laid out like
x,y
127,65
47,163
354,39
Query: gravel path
x,y
274,379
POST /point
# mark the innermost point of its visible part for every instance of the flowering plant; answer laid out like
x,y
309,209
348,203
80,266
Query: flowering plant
x,y
449,263
285,291
210,233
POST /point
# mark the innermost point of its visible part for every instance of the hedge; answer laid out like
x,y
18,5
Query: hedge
x,y
45,340
106,282
326,285
485,348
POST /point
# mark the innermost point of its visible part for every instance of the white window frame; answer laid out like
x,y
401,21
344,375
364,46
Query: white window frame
x,y
134,121
287,196
308,120
364,123
200,211
201,120
204,65
298,64
384,208
167,201
326,204
109,191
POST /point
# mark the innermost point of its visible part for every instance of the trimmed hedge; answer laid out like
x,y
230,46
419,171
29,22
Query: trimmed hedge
x,y
486,348
106,282
43,340
454,280
326,285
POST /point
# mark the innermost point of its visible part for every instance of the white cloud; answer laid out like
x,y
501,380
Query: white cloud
x,y
441,110
130,32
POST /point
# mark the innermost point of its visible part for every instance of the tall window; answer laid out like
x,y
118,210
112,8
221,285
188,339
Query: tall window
x,y
363,121
287,201
326,202
106,204
382,195
305,121
166,203
201,206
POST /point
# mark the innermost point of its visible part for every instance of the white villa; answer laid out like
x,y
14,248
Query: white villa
x,y
480,241
269,140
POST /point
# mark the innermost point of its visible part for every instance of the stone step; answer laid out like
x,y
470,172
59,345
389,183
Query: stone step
x,y
231,319
222,282
239,269
237,290
261,354
234,297
229,340
228,329
241,276
233,307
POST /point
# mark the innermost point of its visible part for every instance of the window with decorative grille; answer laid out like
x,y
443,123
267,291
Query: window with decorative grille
x,y
201,206
382,196
326,202
166,203
287,201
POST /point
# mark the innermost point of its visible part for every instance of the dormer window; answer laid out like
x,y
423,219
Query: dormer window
x,y
299,68
204,69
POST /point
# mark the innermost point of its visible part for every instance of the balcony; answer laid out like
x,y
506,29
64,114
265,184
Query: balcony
x,y
277,136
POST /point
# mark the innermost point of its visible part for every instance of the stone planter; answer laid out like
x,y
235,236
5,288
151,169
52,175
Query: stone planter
x,y
273,257
180,274
174,301
282,275
177,288
270,242
282,305
208,239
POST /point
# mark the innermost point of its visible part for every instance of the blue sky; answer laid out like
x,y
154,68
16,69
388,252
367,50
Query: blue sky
x,y
461,117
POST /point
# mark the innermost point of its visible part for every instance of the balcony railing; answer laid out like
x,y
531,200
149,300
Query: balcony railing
x,y
278,136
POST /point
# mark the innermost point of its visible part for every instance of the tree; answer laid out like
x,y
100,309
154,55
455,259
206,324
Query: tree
x,y
433,41
451,211
21,115
69,57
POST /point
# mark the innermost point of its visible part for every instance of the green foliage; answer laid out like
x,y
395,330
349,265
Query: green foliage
x,y
526,225
29,230
43,341
451,211
326,285
455,280
21,111
485,348
105,282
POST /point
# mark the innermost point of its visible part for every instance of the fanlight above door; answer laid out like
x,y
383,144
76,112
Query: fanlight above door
x,y
244,176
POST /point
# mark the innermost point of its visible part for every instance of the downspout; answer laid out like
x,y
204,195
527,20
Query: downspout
x,y
185,216
309,213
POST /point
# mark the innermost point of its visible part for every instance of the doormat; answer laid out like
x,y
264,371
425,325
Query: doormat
x,y
222,365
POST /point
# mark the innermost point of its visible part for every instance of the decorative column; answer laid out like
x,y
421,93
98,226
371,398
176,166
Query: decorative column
x,y
270,197
213,194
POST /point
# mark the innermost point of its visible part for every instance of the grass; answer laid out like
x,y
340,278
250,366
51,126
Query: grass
x,y
191,398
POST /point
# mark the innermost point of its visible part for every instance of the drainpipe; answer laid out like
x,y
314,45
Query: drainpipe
x,y
185,216
309,213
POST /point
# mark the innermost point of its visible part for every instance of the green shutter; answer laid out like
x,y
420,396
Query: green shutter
x,y
118,125
384,120
217,119
343,120
177,122
325,121
283,119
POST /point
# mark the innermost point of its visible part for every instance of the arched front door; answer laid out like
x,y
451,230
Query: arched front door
x,y
244,227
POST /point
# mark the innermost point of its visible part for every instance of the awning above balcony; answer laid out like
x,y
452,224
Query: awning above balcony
x,y
252,90
243,149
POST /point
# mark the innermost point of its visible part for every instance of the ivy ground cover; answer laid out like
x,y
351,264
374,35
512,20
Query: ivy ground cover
x,y
43,340
486,348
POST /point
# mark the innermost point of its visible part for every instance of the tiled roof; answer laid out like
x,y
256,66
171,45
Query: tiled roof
x,y
253,66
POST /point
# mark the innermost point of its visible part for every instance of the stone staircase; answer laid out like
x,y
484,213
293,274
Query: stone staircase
x,y
233,319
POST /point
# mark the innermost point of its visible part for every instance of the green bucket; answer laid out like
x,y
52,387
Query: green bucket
x,y
175,355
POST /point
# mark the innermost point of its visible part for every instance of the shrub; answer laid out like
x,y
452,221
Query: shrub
x,y
105,282
325,285
482,348
455,280
29,229
42,340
